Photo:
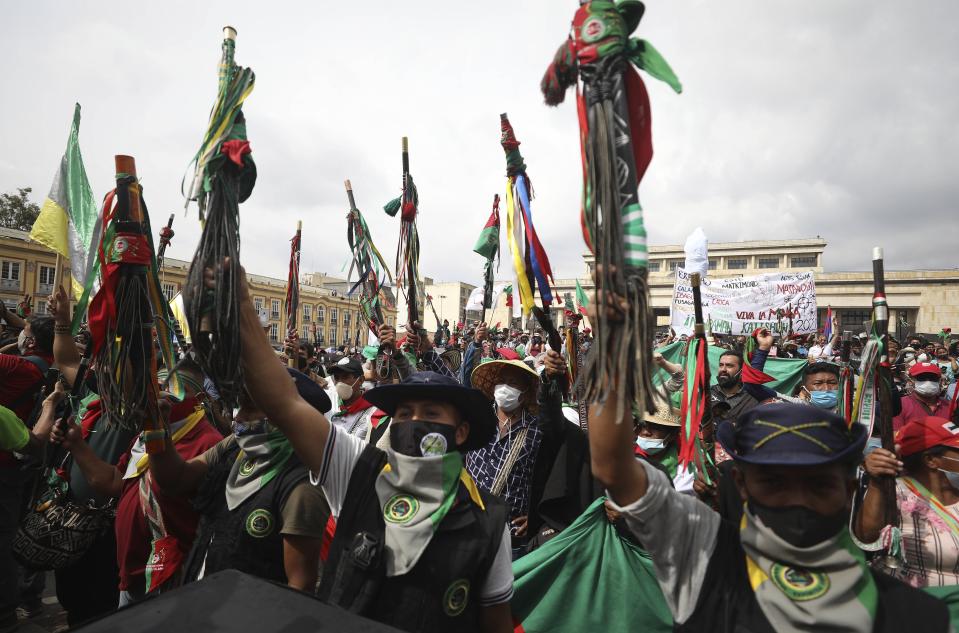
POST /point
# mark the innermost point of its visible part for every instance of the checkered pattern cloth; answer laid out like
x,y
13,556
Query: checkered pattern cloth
x,y
484,464
432,361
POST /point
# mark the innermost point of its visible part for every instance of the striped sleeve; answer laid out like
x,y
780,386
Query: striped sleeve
x,y
339,457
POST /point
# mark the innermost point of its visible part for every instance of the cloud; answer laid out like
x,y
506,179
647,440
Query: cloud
x,y
833,119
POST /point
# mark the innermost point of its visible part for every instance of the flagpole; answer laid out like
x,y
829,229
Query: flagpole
x,y
56,273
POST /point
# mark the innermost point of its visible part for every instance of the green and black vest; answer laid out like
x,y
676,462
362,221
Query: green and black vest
x,y
247,539
727,603
440,593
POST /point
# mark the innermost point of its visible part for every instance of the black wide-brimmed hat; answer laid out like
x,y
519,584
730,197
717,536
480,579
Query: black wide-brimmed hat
x,y
475,407
787,434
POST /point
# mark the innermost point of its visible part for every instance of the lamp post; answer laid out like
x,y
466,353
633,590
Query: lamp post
x,y
442,314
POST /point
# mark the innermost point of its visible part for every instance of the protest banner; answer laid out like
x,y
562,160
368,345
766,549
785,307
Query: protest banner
x,y
781,302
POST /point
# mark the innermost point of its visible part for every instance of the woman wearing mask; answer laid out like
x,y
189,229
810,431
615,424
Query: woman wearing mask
x,y
927,495
925,398
525,407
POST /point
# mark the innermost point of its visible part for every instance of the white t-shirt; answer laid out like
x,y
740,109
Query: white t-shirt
x,y
821,351
339,458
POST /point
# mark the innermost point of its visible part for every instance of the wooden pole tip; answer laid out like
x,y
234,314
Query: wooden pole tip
x,y
125,164
349,187
229,33
406,144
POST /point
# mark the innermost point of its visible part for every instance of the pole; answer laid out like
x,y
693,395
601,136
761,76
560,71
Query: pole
x,y
880,308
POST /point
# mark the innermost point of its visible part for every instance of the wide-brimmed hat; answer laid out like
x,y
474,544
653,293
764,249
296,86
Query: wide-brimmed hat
x,y
314,395
664,415
488,375
788,434
472,404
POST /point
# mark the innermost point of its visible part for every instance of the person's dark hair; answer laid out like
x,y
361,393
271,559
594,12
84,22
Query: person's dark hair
x,y
818,368
308,348
42,329
913,463
732,352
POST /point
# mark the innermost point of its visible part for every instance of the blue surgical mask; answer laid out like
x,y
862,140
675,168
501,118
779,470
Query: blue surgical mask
x,y
951,476
824,399
651,446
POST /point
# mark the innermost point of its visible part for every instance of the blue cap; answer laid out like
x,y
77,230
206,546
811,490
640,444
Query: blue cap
x,y
787,434
473,405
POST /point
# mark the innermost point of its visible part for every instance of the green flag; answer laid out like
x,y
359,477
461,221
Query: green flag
x,y
581,299
67,222
487,244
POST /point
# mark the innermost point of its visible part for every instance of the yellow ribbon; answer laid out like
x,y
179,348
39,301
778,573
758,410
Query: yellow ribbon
x,y
519,263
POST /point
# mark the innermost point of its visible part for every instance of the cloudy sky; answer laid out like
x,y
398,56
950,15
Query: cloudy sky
x,y
834,118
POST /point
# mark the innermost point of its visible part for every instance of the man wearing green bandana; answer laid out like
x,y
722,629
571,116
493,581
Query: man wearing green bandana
x,y
417,544
258,511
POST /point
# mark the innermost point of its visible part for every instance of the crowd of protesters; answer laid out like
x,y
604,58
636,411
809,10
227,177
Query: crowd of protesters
x,y
444,457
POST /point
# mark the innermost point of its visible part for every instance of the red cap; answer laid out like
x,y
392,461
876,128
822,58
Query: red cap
x,y
925,368
922,434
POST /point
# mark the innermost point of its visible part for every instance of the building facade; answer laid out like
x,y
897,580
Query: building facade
x,y
449,300
326,315
923,301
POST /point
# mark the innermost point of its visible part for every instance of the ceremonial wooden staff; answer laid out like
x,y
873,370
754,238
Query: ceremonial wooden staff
x,y
408,247
846,379
616,148
887,483
693,446
429,302
166,235
127,310
293,293
224,177
372,272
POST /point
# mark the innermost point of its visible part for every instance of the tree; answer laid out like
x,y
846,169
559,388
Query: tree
x,y
16,210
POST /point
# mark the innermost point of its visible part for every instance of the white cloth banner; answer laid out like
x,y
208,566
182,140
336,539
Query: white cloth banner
x,y
475,302
739,305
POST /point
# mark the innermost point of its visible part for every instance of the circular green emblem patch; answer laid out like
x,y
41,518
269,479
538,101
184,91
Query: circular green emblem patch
x,y
400,508
798,584
247,467
456,597
259,523
593,29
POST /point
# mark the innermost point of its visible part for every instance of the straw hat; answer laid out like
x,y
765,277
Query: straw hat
x,y
486,376
664,415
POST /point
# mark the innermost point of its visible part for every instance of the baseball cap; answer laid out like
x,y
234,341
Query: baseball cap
x,y
925,368
347,365
923,433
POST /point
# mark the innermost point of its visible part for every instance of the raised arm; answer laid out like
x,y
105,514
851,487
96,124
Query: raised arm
x,y
176,476
611,436
65,354
273,390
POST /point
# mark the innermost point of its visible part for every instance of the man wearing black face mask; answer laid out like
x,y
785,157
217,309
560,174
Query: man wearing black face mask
x,y
729,389
417,545
790,564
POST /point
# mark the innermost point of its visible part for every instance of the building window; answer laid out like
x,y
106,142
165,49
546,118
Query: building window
x,y
332,336
653,267
854,320
10,275
258,304
346,318
713,263
768,262
169,290
305,333
333,315
802,261
736,264
320,314
307,312
320,337
45,279
674,264
274,332
42,307
275,309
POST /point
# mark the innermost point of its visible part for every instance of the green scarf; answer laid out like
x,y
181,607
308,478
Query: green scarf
x,y
262,456
826,587
415,494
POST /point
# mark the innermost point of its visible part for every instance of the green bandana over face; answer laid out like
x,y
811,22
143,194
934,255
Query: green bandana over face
x,y
262,456
826,587
415,493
